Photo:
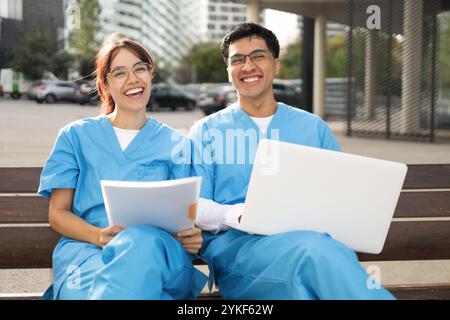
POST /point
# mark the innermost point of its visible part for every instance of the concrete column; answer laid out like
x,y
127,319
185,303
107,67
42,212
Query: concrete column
x,y
319,89
253,11
370,79
412,66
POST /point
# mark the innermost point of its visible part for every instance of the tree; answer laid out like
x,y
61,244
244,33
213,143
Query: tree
x,y
291,61
444,52
83,40
205,61
40,51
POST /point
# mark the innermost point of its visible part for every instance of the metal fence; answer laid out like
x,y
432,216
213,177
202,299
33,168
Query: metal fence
x,y
392,69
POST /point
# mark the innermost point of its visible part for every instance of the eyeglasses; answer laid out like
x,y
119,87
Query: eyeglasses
x,y
256,57
140,70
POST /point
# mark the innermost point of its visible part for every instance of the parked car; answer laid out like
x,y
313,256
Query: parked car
x,y
53,91
33,89
170,96
287,92
192,88
87,93
216,98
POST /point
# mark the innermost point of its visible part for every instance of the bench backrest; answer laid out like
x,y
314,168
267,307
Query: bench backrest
x,y
420,230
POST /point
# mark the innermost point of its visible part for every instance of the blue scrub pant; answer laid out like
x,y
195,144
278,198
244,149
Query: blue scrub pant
x,y
141,262
293,265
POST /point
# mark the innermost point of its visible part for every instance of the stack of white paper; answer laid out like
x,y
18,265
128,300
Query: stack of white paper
x,y
169,205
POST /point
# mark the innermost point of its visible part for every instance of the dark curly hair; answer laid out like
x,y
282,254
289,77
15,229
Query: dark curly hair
x,y
248,29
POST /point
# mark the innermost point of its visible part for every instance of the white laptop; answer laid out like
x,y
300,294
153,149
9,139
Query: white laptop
x,y
350,197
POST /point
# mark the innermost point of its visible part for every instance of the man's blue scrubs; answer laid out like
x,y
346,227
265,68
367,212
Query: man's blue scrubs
x,y
294,265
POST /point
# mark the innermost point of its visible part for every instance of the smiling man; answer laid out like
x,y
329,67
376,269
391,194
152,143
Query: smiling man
x,y
294,265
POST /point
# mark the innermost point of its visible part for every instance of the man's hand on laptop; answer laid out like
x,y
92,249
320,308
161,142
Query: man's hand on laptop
x,y
233,215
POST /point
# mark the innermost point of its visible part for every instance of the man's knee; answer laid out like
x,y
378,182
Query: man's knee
x,y
313,245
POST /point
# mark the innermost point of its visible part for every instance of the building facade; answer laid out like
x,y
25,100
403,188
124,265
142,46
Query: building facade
x,y
167,28
21,16
222,15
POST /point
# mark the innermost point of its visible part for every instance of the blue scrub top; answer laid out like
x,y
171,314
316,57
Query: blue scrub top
x,y
87,151
225,143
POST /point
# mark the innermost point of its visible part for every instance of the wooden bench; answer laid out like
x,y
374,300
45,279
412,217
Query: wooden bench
x,y
420,230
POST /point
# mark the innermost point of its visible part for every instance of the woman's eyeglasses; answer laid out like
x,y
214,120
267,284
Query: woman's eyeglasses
x,y
140,70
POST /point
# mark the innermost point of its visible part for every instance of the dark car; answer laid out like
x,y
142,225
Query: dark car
x,y
87,93
216,98
288,93
170,96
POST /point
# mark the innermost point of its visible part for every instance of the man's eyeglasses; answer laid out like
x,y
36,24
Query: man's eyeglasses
x,y
140,70
256,56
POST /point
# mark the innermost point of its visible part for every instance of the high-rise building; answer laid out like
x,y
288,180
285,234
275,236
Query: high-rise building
x,y
222,15
167,28
21,16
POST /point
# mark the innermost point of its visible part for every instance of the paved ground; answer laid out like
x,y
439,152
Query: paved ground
x,y
28,131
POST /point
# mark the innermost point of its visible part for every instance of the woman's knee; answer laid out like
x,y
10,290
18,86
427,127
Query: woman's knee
x,y
138,240
141,235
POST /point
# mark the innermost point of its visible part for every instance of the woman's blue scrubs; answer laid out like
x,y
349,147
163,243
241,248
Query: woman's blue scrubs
x,y
141,262
294,265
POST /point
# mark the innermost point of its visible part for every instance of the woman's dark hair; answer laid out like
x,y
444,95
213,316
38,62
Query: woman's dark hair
x,y
244,30
109,50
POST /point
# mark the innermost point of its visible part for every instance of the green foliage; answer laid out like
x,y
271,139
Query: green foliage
x,y
291,61
40,51
205,61
337,57
83,41
444,50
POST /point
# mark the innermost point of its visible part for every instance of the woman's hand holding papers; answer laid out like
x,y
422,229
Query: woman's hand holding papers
x,y
107,234
191,239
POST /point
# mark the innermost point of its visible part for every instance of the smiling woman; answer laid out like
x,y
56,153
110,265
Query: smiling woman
x,y
95,260
114,79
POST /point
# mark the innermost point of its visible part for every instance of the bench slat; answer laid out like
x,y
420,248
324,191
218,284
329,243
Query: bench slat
x,y
19,180
410,292
423,204
421,292
26,247
414,240
34,209
427,176
31,247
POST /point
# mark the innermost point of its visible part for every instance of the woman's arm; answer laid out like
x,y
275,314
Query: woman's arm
x,y
65,222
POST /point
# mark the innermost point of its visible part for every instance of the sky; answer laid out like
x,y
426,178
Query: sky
x,y
283,24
